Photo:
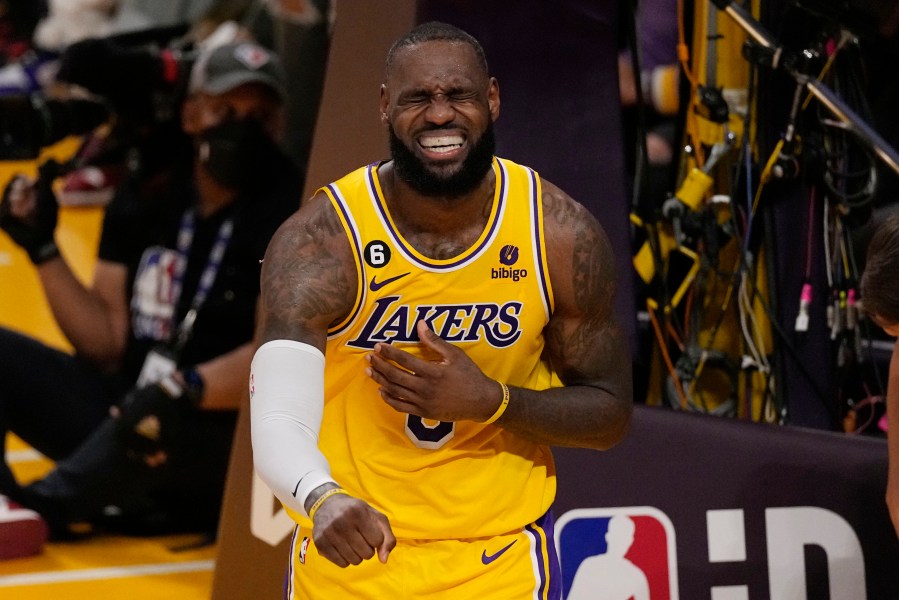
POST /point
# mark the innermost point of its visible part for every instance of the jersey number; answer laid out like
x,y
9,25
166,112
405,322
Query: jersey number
x,y
376,254
430,435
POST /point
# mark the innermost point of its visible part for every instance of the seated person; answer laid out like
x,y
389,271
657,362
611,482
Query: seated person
x,y
139,419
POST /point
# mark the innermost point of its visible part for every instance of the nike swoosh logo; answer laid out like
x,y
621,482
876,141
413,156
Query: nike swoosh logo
x,y
489,559
376,285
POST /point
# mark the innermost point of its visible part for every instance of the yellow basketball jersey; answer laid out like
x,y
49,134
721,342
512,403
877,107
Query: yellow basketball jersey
x,y
441,479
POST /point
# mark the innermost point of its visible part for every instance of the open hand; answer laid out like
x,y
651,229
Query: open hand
x,y
448,387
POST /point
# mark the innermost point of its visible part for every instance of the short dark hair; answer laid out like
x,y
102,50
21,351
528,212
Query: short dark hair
x,y
880,281
434,31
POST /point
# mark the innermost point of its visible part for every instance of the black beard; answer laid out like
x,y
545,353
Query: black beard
x,y
414,172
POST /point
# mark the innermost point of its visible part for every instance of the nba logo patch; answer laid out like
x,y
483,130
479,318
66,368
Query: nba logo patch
x,y
304,546
617,554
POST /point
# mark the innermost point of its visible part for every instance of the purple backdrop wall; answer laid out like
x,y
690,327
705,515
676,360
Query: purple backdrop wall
x,y
693,469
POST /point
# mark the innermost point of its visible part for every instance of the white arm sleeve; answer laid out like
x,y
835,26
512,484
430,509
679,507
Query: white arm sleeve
x,y
287,382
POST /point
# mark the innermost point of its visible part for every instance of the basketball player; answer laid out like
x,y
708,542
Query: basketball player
x,y
431,325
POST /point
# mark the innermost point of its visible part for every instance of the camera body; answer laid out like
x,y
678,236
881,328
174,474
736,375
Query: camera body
x,y
29,123
135,88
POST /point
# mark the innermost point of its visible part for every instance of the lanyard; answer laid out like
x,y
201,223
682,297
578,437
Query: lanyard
x,y
185,240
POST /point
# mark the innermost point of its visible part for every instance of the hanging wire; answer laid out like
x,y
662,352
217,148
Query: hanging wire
x,y
809,233
663,348
827,260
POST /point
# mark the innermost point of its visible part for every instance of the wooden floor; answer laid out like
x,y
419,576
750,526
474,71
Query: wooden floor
x,y
105,566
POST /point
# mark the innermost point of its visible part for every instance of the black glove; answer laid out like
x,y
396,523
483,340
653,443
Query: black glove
x,y
151,421
35,234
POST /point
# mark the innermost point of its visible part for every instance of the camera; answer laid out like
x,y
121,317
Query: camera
x,y
136,88
29,123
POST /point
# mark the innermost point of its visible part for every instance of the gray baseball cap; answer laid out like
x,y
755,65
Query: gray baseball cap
x,y
226,67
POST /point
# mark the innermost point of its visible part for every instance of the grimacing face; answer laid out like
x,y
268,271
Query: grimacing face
x,y
439,106
415,172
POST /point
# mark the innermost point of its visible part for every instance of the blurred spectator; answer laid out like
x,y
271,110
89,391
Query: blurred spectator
x,y
68,21
18,18
136,15
298,32
658,81
23,68
163,336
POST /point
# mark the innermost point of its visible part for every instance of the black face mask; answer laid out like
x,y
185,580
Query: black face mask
x,y
235,152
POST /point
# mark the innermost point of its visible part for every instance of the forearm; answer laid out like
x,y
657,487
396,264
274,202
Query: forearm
x,y
286,404
317,493
578,415
225,378
82,315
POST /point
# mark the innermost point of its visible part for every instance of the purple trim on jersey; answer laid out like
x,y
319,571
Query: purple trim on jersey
x,y
381,207
357,246
550,575
288,578
538,241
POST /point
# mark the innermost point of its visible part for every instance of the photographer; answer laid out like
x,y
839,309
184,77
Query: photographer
x,y
141,417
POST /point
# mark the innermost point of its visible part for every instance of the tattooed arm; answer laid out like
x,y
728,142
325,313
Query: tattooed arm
x,y
583,343
309,276
309,281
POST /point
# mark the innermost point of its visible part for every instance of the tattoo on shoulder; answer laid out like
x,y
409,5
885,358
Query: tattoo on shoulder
x,y
308,273
592,272
558,206
592,264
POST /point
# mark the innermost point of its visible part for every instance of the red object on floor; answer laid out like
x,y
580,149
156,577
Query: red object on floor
x,y
89,186
23,532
